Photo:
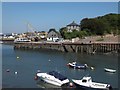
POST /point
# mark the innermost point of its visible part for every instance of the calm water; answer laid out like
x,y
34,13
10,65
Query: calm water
x,y
30,61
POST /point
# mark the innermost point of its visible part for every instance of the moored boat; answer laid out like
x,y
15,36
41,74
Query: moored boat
x,y
1,42
110,70
53,78
22,40
87,83
77,66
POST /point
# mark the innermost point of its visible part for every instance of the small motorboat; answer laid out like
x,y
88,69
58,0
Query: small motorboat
x,y
1,42
53,78
21,40
77,66
110,70
86,83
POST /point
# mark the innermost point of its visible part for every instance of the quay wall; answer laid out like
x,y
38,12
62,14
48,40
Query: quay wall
x,y
89,48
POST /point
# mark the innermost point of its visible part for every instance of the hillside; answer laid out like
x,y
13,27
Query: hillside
x,y
101,25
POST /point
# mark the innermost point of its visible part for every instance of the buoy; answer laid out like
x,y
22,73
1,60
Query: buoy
x,y
36,77
92,68
16,72
71,84
38,71
8,70
17,57
49,60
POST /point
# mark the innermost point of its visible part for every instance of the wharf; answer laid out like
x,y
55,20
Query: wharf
x,y
90,48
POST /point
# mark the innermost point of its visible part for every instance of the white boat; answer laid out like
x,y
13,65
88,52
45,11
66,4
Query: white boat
x,y
86,82
110,70
1,42
22,40
53,78
77,66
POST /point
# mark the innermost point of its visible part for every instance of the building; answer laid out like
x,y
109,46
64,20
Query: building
x,y
42,34
53,35
73,26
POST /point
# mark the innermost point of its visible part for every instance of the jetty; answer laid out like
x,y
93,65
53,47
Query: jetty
x,y
90,48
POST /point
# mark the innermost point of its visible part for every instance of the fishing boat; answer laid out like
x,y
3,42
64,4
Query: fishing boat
x,y
22,40
87,83
53,78
110,70
77,66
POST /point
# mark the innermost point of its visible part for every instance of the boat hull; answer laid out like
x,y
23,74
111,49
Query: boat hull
x,y
51,79
51,82
80,87
76,67
109,70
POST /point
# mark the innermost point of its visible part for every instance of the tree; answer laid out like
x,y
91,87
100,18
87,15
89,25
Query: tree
x,y
63,31
101,25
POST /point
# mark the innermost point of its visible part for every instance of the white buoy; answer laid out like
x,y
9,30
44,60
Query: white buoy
x,y
92,68
17,57
38,71
16,72
49,60
71,84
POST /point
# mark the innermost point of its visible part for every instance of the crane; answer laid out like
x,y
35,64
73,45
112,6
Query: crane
x,y
31,31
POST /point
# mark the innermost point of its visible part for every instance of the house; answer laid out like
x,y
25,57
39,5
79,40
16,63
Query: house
x,y
42,34
73,26
9,35
53,35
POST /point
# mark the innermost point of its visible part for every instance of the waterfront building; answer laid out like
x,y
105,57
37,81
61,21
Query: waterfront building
x,y
53,35
42,34
73,26
8,36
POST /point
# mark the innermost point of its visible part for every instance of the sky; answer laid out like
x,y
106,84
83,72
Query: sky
x,y
45,15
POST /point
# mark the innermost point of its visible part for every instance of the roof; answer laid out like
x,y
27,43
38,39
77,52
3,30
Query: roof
x,y
52,30
59,35
73,24
57,75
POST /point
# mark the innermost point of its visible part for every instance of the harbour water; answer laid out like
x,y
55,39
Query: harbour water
x,y
27,62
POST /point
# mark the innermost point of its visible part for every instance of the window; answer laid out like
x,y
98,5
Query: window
x,y
84,80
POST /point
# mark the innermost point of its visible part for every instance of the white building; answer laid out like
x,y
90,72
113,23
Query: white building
x,y
53,35
73,26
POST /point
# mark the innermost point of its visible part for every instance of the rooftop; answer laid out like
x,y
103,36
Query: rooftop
x,y
73,24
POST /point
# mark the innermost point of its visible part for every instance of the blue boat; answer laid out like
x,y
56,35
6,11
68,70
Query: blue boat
x,y
77,66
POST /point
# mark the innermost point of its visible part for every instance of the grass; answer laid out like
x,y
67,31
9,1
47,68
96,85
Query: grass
x,y
100,39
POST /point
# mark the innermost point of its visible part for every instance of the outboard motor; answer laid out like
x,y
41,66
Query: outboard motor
x,y
38,71
109,87
86,65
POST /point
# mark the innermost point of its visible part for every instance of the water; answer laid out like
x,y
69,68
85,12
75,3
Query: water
x,y
27,62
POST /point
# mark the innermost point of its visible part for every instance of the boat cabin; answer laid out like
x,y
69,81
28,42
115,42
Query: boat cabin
x,y
86,79
57,75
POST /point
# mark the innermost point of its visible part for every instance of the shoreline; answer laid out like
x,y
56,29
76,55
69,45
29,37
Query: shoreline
x,y
89,48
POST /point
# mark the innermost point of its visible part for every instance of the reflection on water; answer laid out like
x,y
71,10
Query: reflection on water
x,y
30,61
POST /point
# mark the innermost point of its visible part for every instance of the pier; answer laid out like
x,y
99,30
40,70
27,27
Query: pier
x,y
89,48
